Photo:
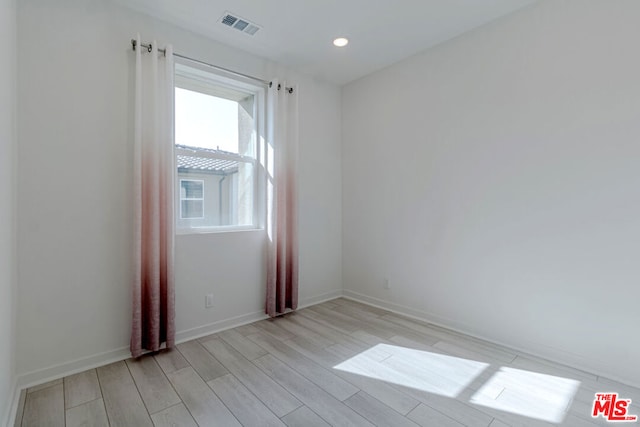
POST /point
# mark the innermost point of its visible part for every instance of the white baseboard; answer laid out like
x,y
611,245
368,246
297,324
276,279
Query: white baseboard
x,y
12,406
555,355
100,359
220,325
55,372
318,299
234,322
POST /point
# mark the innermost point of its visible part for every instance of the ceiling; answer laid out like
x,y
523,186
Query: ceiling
x,y
299,33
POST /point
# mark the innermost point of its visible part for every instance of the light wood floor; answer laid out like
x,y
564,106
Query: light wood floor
x,y
340,363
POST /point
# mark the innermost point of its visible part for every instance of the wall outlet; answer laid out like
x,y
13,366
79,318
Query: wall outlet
x,y
208,301
387,284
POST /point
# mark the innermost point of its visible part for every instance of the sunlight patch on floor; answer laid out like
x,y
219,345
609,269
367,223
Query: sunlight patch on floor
x,y
422,370
530,394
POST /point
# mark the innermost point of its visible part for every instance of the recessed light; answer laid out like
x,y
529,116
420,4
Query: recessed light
x,y
341,42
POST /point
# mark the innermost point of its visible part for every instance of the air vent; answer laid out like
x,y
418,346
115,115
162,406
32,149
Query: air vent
x,y
240,24
229,20
251,29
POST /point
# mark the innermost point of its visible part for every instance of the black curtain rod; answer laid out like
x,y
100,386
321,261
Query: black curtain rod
x,y
149,48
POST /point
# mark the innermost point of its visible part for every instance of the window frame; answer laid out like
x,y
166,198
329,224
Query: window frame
x,y
205,75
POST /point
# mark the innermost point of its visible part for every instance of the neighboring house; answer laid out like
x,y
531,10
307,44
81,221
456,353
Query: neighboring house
x,y
207,186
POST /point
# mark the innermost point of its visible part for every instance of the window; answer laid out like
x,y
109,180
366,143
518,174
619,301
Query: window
x,y
216,136
191,199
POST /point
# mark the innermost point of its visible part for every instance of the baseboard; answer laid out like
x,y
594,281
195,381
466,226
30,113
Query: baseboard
x,y
318,299
555,355
79,365
55,372
220,325
12,406
234,322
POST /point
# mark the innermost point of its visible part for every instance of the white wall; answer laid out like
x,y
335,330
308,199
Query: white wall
x,y
75,202
7,205
506,198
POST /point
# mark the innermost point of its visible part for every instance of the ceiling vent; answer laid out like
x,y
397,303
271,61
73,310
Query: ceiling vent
x,y
240,24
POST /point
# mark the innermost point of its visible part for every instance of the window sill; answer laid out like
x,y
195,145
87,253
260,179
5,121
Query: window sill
x,y
217,230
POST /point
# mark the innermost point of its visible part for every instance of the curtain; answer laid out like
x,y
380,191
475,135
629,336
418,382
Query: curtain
x,y
153,287
282,199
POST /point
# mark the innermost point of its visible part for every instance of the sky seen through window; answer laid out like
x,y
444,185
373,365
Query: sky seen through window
x,y
206,121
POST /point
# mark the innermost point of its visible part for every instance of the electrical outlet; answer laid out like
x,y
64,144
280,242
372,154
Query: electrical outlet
x,y
387,284
208,301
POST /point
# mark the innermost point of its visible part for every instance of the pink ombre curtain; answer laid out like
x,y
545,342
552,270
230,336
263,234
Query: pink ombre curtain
x,y
282,199
153,288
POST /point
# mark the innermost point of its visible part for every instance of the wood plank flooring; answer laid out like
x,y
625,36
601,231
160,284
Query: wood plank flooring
x,y
340,363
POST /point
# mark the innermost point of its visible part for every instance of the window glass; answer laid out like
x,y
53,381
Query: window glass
x,y
216,153
191,199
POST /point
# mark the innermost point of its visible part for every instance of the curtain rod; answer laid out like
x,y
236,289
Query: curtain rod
x,y
217,67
